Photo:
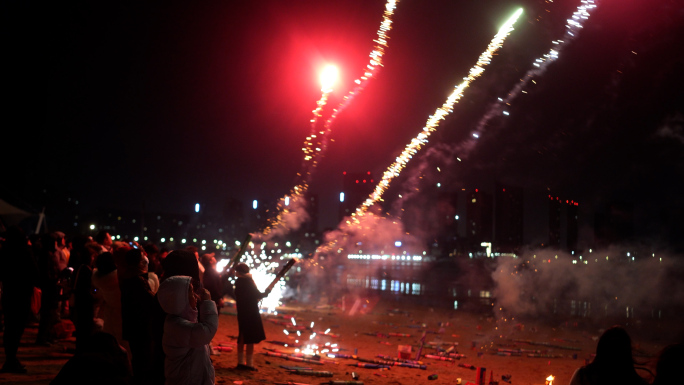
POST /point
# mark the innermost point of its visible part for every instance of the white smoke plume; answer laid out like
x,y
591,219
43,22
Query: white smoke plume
x,y
609,280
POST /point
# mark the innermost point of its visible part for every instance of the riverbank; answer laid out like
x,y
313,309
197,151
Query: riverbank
x,y
526,352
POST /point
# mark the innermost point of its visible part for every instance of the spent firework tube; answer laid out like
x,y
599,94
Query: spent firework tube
x,y
290,383
396,359
340,355
281,273
413,366
378,362
457,356
468,366
399,335
345,382
292,358
295,367
239,253
227,349
369,366
441,358
420,349
315,373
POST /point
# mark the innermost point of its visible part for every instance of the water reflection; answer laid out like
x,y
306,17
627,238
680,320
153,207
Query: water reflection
x,y
459,296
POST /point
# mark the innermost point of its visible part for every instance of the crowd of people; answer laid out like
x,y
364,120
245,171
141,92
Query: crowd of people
x,y
147,316
142,315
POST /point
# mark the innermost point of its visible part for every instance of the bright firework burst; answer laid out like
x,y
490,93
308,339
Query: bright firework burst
x,y
290,206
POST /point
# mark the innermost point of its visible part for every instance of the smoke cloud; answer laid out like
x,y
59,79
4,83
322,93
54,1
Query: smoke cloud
x,y
610,281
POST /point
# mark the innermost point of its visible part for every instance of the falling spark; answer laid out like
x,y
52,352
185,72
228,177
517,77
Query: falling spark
x,y
316,143
440,114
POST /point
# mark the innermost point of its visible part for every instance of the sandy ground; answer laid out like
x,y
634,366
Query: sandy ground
x,y
367,333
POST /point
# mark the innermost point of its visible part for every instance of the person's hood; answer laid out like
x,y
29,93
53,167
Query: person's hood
x,y
173,295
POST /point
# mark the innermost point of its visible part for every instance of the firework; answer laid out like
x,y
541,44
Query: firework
x,y
280,275
432,123
572,29
316,143
239,253
440,114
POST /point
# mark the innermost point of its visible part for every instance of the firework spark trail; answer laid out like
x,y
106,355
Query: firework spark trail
x,y
440,114
431,125
572,29
291,208
540,65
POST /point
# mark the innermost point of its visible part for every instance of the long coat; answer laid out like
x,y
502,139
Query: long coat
x,y
247,298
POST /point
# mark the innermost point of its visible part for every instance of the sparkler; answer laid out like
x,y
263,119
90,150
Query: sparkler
x,y
316,143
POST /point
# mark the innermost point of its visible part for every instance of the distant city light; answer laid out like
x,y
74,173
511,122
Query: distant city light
x,y
456,217
92,227
196,207
397,243
287,201
254,204
341,197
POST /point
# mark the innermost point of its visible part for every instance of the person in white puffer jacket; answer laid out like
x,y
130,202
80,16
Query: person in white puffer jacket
x,y
186,341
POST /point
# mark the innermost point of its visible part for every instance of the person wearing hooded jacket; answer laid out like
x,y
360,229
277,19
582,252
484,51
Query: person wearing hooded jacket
x,y
186,341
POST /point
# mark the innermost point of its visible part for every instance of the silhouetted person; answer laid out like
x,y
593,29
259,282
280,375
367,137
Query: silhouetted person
x,y
669,365
153,256
106,282
140,316
101,361
212,279
18,273
82,306
613,363
250,327
195,252
48,274
104,240
181,262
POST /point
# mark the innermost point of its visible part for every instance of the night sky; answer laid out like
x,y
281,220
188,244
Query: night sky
x,y
171,103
